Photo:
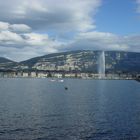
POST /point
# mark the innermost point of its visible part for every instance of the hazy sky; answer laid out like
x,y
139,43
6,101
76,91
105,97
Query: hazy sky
x,y
30,28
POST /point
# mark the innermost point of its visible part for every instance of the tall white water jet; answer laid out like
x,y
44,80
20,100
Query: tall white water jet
x,y
101,65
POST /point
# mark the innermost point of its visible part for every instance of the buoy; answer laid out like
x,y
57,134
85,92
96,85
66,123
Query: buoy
x,y
66,88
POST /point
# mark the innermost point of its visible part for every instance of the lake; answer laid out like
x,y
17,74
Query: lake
x,y
39,109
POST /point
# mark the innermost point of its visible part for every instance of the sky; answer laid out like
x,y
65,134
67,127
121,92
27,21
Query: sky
x,y
30,28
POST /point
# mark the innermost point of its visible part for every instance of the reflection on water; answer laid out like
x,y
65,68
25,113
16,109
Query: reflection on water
x,y
38,109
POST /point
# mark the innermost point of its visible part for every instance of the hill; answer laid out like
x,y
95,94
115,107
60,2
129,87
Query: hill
x,y
6,64
82,61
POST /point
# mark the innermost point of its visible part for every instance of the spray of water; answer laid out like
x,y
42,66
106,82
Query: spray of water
x,y
101,65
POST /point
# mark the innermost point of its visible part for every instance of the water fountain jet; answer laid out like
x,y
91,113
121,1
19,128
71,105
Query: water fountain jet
x,y
101,65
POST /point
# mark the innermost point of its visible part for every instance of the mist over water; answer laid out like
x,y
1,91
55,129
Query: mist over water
x,y
101,64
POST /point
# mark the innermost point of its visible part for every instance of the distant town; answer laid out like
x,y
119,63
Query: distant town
x,y
48,74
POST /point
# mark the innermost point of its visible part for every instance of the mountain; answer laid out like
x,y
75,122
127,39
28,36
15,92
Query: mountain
x,y
4,60
65,61
128,62
86,61
82,61
6,64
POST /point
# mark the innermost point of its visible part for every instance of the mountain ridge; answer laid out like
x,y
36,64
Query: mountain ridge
x,y
80,60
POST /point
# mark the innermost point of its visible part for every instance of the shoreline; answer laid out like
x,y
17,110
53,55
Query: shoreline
x,y
138,80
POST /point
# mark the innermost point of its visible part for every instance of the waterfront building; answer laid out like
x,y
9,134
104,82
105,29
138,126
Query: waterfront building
x,y
25,74
42,74
33,74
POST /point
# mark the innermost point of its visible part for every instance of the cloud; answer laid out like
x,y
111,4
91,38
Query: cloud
x,y
21,34
4,26
103,41
14,27
27,25
21,46
18,44
138,3
31,28
20,54
7,37
19,28
60,15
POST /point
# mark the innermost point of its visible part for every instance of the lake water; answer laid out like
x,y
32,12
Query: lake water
x,y
38,109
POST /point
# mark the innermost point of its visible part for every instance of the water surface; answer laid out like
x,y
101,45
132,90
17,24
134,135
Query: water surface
x,y
38,109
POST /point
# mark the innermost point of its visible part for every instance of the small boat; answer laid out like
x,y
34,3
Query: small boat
x,y
61,80
52,80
